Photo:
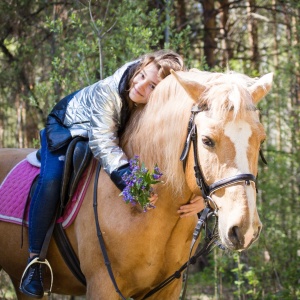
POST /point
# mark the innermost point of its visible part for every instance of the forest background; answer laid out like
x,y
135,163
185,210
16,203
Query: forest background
x,y
51,48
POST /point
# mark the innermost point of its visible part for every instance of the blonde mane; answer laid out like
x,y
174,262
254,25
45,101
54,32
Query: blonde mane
x,y
227,92
158,131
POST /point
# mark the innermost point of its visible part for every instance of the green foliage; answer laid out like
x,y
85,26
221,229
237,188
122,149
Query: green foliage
x,y
6,288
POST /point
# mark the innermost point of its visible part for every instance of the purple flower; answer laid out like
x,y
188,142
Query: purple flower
x,y
156,176
139,183
127,195
156,170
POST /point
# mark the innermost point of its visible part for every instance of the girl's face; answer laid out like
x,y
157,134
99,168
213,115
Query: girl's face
x,y
143,84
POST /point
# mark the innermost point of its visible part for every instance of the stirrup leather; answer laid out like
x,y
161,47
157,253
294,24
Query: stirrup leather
x,y
34,261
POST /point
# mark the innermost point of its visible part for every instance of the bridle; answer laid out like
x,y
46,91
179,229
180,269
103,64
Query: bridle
x,y
208,190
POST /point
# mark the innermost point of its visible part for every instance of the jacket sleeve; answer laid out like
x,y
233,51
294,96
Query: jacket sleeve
x,y
106,107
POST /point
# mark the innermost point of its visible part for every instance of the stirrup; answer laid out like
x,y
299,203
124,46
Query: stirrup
x,y
34,261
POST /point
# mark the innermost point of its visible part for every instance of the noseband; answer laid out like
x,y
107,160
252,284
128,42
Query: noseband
x,y
208,190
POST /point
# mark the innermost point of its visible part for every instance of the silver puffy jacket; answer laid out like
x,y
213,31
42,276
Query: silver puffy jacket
x,y
95,112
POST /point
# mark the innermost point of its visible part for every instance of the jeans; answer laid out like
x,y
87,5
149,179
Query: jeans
x,y
46,197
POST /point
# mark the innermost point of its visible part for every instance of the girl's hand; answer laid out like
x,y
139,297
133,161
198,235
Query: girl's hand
x,y
196,205
152,199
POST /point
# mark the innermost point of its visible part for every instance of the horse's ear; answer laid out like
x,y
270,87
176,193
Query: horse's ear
x,y
261,88
188,82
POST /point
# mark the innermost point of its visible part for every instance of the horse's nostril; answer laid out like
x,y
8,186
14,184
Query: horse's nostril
x,y
234,236
259,228
235,232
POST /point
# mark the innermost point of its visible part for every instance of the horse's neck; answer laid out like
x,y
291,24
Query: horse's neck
x,y
169,202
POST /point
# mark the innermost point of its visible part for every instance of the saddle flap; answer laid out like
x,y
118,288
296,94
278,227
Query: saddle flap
x,y
78,156
81,158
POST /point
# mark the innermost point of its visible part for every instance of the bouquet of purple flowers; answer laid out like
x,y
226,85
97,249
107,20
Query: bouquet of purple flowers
x,y
138,184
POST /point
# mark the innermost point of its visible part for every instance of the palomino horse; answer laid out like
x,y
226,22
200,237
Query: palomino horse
x,y
147,247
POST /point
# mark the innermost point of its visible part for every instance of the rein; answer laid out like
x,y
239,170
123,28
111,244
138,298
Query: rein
x,y
210,242
100,236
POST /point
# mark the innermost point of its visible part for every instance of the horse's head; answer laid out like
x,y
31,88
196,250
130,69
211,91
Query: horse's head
x,y
229,135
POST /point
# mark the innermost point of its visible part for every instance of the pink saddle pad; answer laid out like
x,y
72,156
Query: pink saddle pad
x,y
16,186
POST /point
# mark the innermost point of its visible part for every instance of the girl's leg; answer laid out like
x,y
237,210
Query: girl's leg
x,y
46,196
42,210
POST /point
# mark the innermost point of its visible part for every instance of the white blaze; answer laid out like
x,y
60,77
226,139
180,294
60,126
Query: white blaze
x,y
239,133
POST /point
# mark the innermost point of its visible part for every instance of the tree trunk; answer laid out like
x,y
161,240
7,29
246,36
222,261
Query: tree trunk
x,y
227,51
210,31
253,35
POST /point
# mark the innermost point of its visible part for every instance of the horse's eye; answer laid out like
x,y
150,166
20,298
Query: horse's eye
x,y
207,141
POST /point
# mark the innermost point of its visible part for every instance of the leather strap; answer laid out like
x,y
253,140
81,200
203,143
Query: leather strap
x,y
207,247
100,236
211,241
45,246
67,252
231,180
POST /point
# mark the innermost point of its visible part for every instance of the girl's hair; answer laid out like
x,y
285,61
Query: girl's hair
x,y
165,60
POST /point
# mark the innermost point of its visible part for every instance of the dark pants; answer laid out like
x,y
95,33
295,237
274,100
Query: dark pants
x,y
47,194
